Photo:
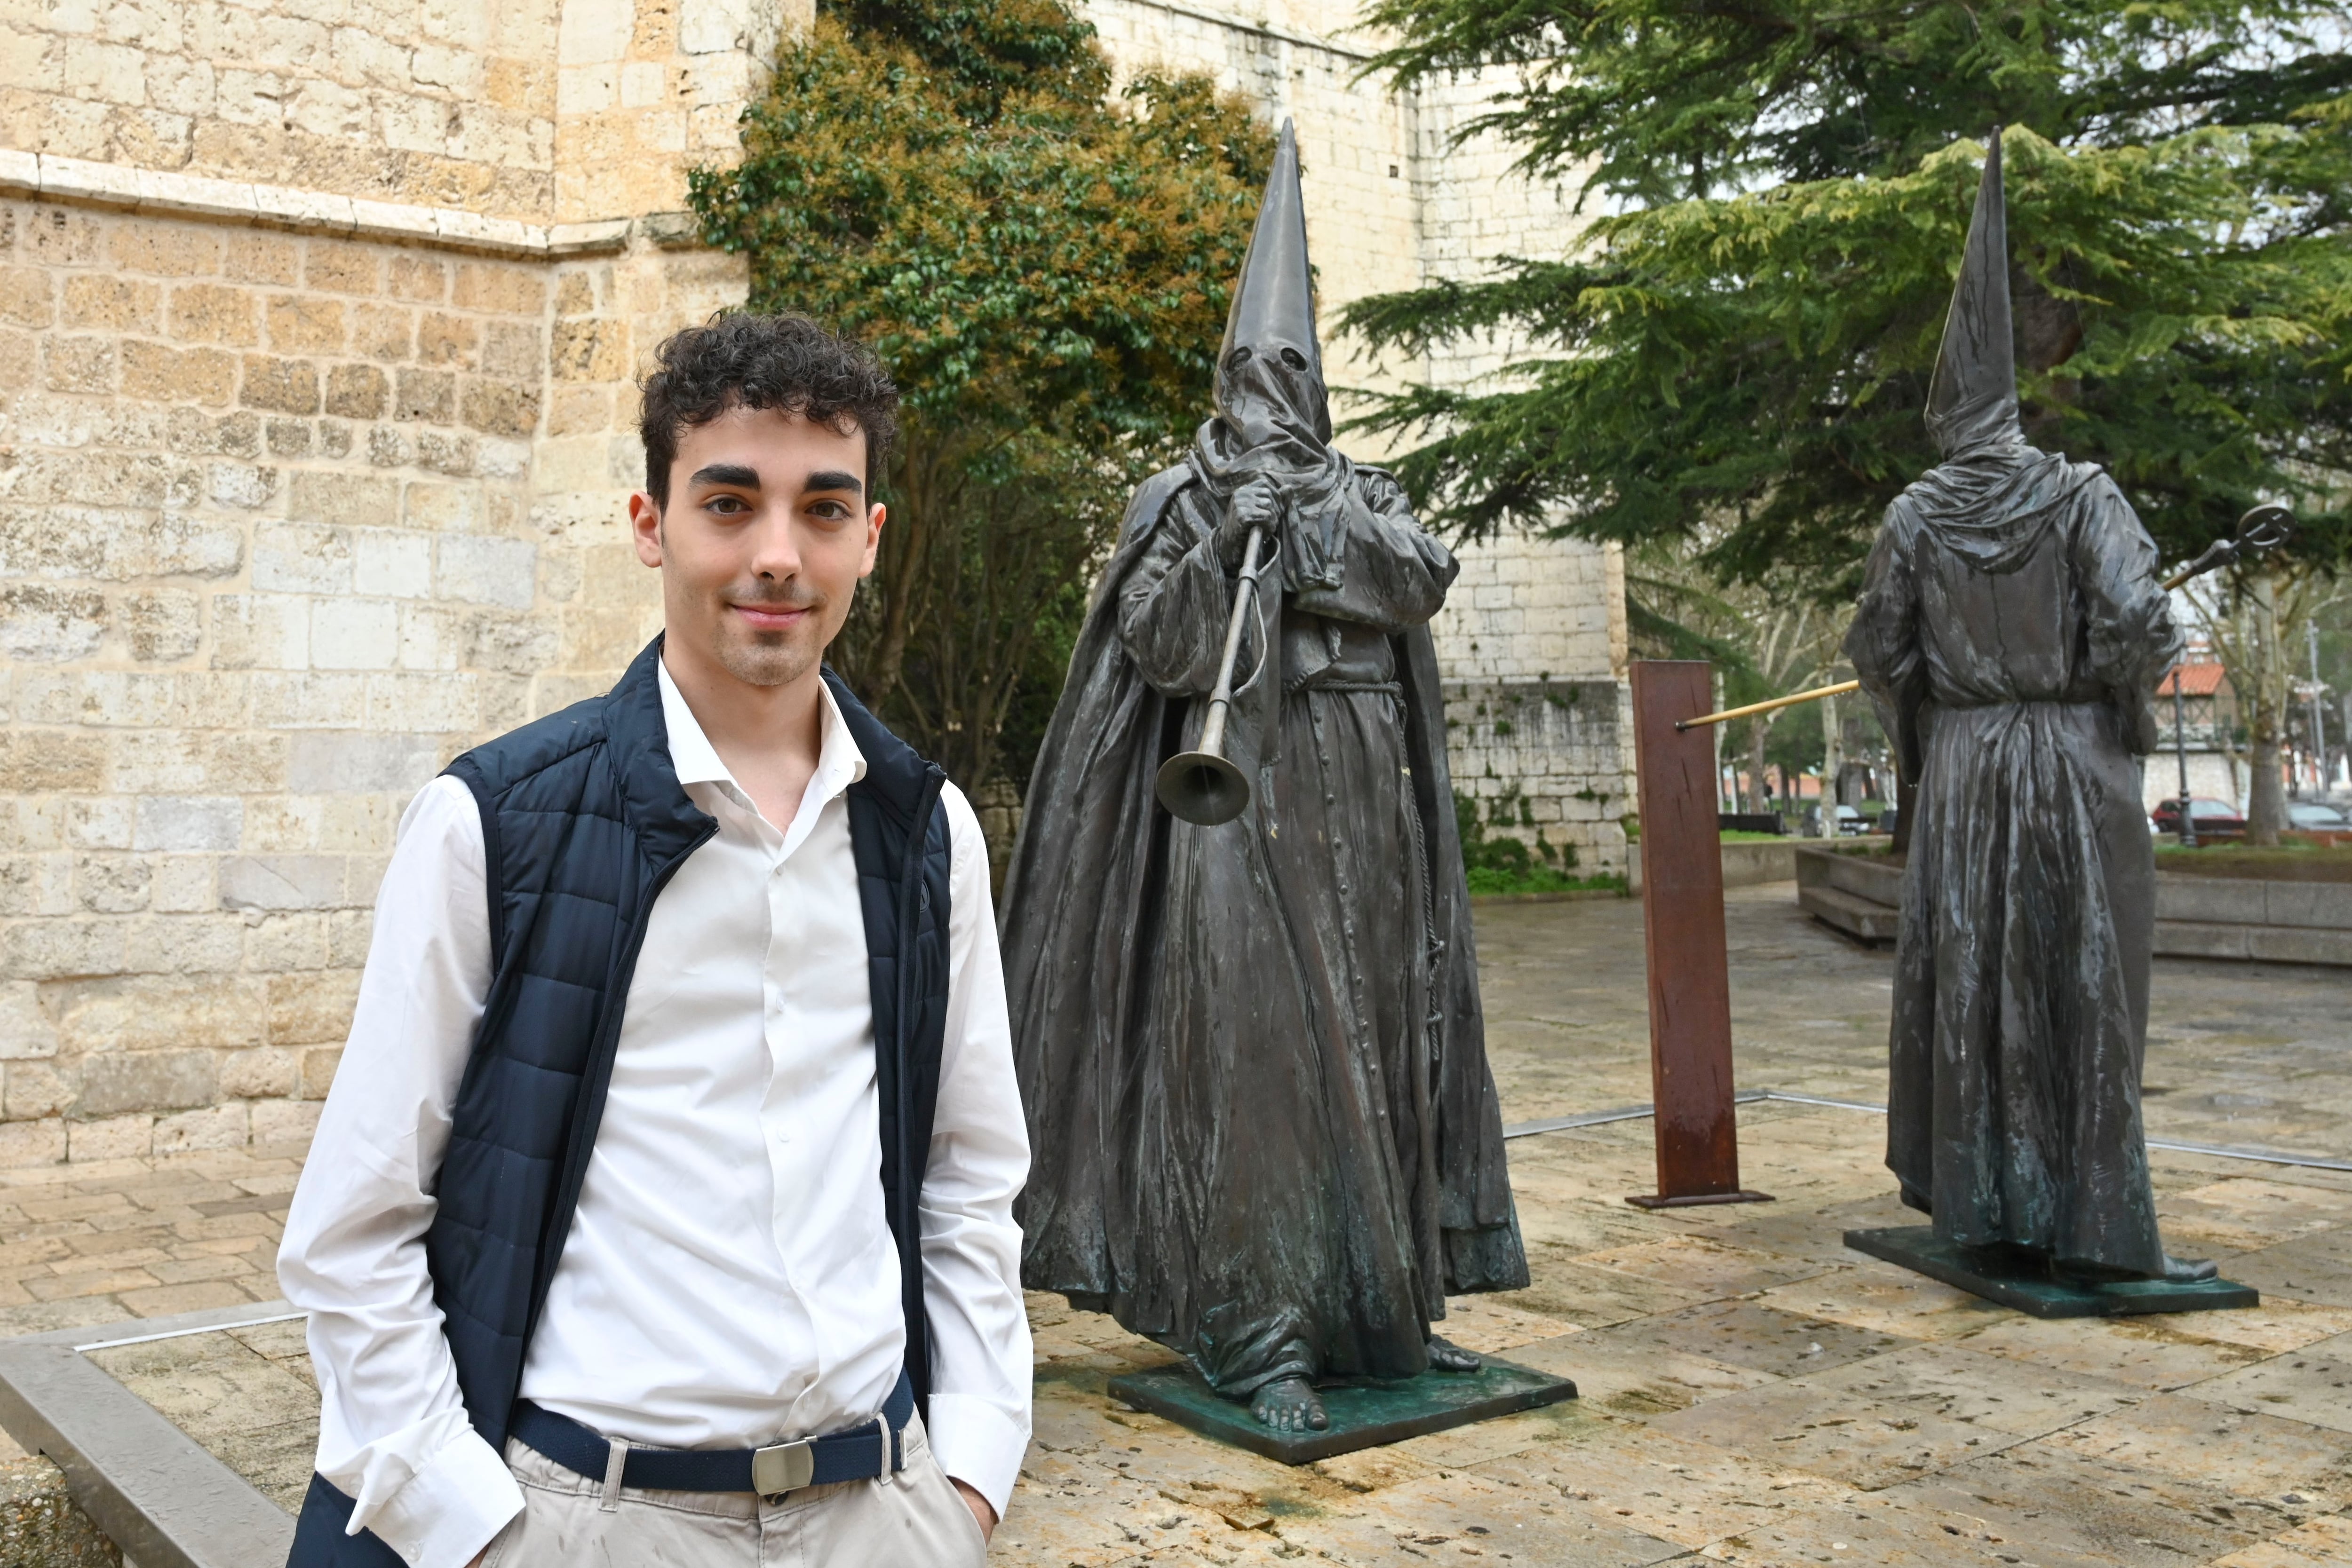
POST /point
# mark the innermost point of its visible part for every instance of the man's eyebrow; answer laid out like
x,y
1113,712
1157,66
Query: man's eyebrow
x,y
833,479
734,473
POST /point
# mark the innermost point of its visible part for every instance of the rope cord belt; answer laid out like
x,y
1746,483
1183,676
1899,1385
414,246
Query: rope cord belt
x,y
1377,688
861,1453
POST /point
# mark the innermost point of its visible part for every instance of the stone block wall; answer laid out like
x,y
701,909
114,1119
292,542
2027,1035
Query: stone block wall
x,y
441,103
1546,761
286,522
320,321
1539,719
546,110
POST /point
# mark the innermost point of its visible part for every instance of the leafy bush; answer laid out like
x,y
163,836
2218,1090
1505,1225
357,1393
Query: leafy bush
x,y
1497,862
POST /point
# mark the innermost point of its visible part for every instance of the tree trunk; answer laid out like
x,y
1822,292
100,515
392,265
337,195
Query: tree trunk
x,y
1756,767
1831,761
2265,794
2266,717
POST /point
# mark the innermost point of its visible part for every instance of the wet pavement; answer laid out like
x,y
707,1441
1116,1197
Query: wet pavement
x,y
1753,1393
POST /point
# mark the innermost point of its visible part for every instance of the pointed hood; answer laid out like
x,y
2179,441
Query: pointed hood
x,y
1273,303
1273,419
1993,499
1972,400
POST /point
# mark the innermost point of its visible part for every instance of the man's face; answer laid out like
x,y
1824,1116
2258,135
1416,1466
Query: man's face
x,y
765,534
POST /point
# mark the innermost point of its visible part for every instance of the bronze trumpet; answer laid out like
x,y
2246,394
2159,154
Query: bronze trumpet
x,y
1201,786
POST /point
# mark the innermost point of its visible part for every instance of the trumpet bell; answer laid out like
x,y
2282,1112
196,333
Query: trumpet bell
x,y
1203,789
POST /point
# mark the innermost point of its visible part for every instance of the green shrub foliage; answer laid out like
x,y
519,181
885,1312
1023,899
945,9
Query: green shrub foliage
x,y
1044,267
1738,350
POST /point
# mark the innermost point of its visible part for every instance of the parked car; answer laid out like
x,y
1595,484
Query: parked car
x,y
1852,822
2216,818
2312,817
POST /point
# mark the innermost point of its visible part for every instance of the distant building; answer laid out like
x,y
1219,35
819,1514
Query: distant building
x,y
2209,716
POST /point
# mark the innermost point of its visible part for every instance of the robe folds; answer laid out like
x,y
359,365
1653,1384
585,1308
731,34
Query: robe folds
x,y
1264,1130
2011,631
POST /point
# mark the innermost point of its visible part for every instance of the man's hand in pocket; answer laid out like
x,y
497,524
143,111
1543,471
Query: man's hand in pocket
x,y
979,1506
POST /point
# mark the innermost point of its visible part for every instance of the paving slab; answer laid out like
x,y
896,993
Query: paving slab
x,y
2052,1507
2149,1352
2305,1269
2288,1464
1882,1298
1687,1492
1863,1444
2322,1541
2301,1384
1755,1334
1636,1378
1960,1384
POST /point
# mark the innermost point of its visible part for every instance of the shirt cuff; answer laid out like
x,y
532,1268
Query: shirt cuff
x,y
452,1508
978,1444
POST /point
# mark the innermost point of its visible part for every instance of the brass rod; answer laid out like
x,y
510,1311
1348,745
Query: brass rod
x,y
1212,729
1814,696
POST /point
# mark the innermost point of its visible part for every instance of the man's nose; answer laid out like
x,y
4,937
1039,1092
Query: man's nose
x,y
774,550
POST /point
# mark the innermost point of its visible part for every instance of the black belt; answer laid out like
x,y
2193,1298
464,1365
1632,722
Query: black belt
x,y
858,1454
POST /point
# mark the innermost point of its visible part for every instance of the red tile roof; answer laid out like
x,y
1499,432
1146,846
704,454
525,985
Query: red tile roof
x,y
2197,680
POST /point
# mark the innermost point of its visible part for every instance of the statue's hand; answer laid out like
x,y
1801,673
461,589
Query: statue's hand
x,y
1255,506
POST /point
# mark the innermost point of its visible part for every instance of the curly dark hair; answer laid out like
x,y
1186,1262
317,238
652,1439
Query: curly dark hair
x,y
739,360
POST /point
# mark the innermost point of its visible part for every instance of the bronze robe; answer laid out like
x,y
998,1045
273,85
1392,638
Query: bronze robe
x,y
1263,1129
2011,631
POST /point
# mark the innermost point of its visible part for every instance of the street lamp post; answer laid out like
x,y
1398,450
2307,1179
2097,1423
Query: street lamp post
x,y
2180,754
2318,726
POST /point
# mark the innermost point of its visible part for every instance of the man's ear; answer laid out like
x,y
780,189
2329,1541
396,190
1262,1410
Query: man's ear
x,y
875,515
645,528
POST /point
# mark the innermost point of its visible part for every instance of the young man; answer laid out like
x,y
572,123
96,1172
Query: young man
x,y
661,1211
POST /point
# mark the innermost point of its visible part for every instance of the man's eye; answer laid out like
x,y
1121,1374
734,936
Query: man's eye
x,y
727,505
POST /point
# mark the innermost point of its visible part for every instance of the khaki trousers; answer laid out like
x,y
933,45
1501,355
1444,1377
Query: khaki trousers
x,y
914,1518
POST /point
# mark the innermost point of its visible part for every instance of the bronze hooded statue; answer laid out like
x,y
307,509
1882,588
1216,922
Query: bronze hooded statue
x,y
1263,1128
2011,631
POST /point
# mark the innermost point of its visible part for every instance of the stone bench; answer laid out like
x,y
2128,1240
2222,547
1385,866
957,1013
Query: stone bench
x,y
2197,917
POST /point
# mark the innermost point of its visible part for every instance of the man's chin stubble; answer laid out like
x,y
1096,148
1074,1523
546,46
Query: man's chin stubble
x,y
774,660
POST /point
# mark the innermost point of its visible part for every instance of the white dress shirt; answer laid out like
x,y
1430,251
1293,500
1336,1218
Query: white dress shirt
x,y
729,1280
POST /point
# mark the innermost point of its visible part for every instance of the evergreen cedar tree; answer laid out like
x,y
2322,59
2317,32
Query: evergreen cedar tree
x,y
1044,267
1740,351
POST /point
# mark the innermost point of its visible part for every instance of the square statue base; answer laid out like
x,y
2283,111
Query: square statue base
x,y
1363,1415
1915,1246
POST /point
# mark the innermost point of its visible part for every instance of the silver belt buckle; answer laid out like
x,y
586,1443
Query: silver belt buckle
x,y
785,1467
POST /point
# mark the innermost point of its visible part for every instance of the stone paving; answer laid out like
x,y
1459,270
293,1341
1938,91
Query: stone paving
x,y
1754,1394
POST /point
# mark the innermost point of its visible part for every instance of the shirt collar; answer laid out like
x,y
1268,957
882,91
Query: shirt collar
x,y
839,763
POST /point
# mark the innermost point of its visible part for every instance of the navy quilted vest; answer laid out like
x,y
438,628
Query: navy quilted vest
x,y
584,821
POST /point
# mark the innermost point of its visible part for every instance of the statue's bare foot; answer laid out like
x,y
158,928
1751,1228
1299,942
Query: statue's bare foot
x,y
1444,1355
2187,1270
1288,1405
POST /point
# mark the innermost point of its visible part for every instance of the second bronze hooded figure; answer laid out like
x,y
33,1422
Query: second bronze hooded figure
x,y
2013,628
1263,1129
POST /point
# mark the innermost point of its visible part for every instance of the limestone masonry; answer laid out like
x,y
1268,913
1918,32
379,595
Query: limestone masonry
x,y
319,327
